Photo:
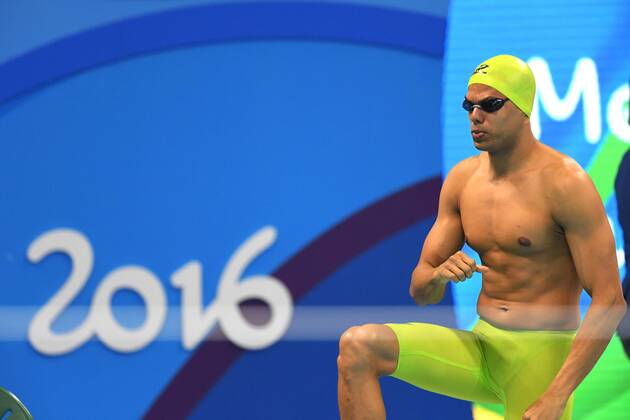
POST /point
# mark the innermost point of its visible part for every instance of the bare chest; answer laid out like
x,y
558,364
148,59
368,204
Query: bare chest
x,y
511,216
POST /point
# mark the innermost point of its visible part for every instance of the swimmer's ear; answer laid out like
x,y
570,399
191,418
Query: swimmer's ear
x,y
482,268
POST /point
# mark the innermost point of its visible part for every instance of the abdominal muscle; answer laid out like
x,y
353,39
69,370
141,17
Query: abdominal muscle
x,y
538,301
523,316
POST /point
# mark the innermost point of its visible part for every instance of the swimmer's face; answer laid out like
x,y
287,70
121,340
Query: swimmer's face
x,y
493,131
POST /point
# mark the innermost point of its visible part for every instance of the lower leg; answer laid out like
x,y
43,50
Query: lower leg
x,y
359,395
365,354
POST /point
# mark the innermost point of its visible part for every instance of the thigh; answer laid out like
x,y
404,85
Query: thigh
x,y
443,360
532,376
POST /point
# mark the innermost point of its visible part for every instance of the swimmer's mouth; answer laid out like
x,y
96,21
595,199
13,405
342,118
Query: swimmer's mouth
x,y
477,134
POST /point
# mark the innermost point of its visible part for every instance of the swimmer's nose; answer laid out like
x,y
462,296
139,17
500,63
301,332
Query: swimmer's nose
x,y
476,116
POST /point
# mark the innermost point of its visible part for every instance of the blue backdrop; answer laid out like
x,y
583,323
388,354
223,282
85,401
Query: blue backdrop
x,y
167,166
157,140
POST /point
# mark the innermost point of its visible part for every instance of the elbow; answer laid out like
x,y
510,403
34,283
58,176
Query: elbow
x,y
413,291
420,300
417,296
416,291
623,306
620,305
413,288
608,298
617,305
621,309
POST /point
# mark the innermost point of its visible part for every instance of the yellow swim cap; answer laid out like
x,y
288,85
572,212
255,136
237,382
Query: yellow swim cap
x,y
509,75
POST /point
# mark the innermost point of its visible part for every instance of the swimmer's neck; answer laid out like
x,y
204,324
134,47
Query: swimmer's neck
x,y
514,158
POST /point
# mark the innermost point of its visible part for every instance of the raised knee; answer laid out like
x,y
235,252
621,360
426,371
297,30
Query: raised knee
x,y
354,339
355,348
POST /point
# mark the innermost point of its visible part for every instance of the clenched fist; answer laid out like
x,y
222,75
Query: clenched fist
x,y
458,267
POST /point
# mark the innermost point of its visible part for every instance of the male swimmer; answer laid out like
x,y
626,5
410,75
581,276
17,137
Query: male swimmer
x,y
537,222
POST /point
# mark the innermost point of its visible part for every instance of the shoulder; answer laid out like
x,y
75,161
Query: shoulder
x,y
455,181
570,192
562,176
464,169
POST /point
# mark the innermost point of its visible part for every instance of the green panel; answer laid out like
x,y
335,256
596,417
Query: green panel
x,y
604,164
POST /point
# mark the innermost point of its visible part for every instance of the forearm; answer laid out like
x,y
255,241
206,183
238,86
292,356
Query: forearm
x,y
593,336
425,288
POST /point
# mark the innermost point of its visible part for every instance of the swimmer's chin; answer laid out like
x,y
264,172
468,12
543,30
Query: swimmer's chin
x,y
480,145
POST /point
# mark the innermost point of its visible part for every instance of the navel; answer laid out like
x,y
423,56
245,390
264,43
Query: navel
x,y
524,241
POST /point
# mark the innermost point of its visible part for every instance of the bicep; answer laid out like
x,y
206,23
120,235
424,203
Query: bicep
x,y
580,212
445,238
594,255
447,235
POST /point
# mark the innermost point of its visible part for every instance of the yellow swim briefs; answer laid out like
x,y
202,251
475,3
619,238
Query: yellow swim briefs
x,y
487,364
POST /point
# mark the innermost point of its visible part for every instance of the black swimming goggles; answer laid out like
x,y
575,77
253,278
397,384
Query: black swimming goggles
x,y
487,105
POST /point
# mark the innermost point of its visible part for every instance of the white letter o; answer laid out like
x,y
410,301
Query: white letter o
x,y
146,284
